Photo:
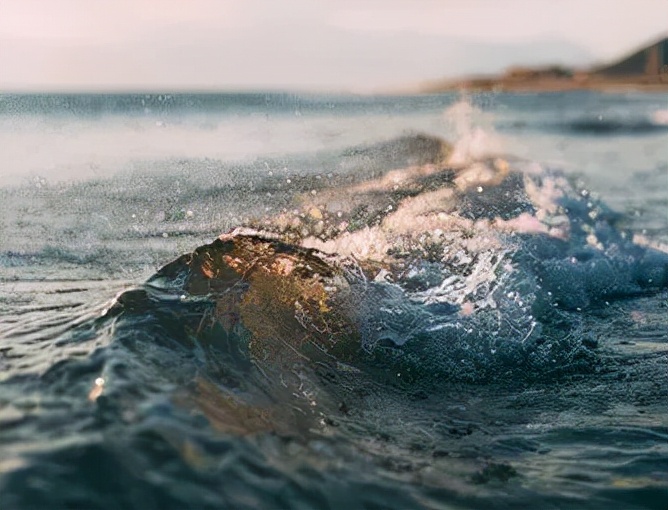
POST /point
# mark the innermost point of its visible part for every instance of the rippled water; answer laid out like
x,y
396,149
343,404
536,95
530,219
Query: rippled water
x,y
458,355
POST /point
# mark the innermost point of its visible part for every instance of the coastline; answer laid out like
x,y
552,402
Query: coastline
x,y
645,70
590,82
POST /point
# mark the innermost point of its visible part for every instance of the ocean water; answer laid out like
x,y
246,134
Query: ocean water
x,y
447,301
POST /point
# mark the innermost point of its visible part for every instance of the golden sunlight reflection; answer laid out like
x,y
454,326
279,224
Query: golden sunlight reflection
x,y
96,390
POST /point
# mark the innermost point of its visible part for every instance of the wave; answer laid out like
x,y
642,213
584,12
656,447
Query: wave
x,y
387,319
442,267
614,127
438,272
656,123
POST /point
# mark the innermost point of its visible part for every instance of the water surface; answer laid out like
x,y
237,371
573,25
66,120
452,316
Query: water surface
x,y
463,397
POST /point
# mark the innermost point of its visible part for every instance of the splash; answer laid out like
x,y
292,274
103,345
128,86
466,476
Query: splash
x,y
474,131
448,272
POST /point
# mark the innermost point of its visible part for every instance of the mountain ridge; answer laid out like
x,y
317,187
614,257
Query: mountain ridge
x,y
645,68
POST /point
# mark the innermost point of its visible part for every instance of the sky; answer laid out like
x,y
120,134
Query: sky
x,y
333,45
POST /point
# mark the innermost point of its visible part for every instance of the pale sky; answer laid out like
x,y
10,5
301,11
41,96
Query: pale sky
x,y
359,45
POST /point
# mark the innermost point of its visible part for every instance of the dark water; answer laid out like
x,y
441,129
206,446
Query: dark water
x,y
477,329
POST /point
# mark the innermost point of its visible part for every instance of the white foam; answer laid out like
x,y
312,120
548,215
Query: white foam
x,y
476,137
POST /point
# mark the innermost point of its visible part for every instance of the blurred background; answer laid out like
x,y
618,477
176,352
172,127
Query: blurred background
x,y
314,45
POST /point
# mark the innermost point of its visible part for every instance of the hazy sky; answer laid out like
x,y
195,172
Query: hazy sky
x,y
319,44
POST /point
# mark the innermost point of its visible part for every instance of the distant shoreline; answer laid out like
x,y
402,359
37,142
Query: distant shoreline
x,y
645,70
586,82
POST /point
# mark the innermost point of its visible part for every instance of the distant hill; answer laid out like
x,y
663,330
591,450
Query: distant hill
x,y
644,69
651,60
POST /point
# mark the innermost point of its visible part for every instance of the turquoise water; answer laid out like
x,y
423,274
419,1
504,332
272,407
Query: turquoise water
x,y
529,373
